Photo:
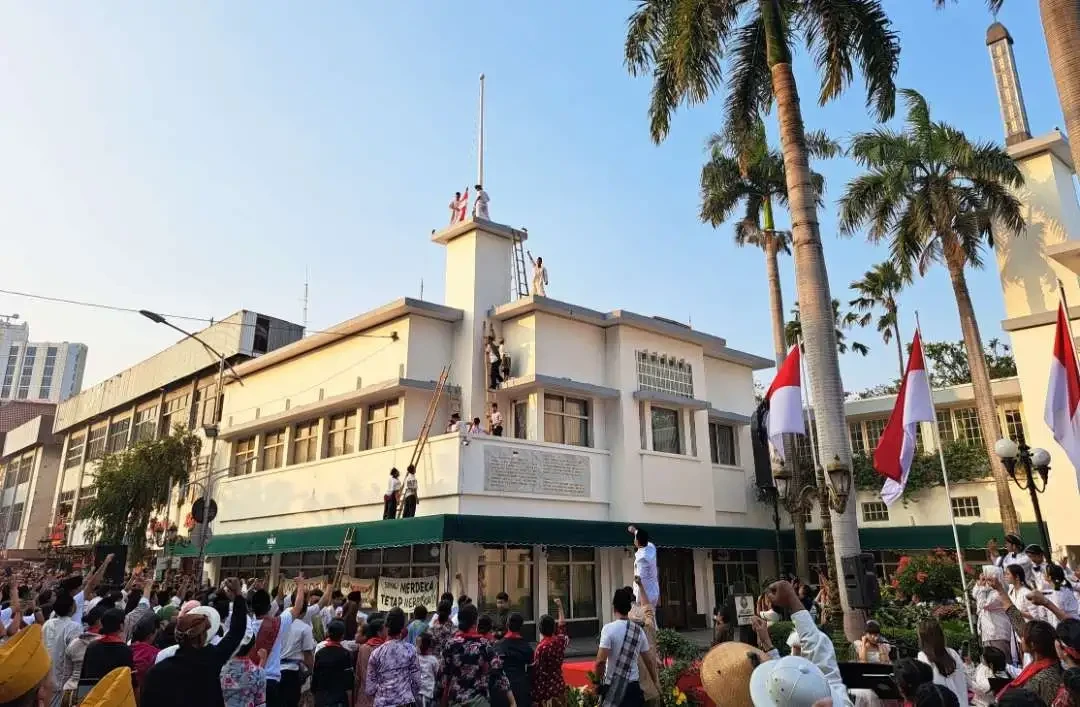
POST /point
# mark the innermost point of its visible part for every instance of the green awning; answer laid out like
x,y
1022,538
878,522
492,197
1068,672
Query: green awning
x,y
482,529
923,537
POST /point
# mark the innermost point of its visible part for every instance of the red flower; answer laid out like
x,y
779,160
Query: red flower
x,y
904,562
921,576
895,582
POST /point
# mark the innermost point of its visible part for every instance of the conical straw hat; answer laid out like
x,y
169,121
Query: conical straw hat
x,y
725,673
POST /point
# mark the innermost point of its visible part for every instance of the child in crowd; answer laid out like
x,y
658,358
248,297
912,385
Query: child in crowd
x,y
429,667
992,666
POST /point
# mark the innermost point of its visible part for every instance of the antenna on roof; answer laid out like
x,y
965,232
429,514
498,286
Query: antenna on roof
x,y
305,299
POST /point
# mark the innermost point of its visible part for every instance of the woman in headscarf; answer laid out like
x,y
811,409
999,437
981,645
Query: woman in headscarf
x,y
193,675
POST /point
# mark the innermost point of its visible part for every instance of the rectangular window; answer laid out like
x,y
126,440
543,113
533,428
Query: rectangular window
x,y
26,466
146,423
74,451
967,426
399,562
858,444
665,430
305,442
243,456
27,371
16,518
722,444
506,568
571,576
875,512
96,445
965,507
1014,425
313,563
9,372
664,374
273,451
384,424
118,435
342,436
47,372
87,493
11,473
874,428
944,426
521,419
246,566
260,342
175,413
566,420
731,567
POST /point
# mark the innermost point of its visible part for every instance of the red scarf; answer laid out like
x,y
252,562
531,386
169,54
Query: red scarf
x,y
511,634
471,633
330,643
111,638
1029,672
375,642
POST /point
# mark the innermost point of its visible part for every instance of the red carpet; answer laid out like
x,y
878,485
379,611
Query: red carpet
x,y
575,672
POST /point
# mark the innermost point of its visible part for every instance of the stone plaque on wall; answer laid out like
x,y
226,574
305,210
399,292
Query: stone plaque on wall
x,y
508,470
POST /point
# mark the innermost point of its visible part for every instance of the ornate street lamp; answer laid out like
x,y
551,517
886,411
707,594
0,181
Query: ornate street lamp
x,y
1025,467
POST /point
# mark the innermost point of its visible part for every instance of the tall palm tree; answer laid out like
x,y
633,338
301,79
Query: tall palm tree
x,y
743,170
933,195
844,322
879,287
1061,25
682,43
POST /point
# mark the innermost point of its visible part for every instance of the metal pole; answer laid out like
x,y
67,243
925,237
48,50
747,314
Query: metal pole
x,y
480,144
1043,531
218,398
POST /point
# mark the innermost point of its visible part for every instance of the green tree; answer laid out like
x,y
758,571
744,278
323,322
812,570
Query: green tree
x,y
844,321
879,288
949,362
133,485
879,390
933,194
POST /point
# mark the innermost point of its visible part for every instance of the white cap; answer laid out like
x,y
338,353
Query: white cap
x,y
213,617
789,682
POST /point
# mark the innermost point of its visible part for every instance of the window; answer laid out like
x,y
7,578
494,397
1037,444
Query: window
x,y
664,374
273,451
16,518
305,442
803,453
965,507
920,446
26,466
246,566
566,420
175,413
47,372
571,576
384,424
118,434
506,568
858,444
945,428
967,426
96,445
1014,425
87,493
886,562
342,434
313,563
9,371
145,424
732,567
875,512
74,451
11,473
874,428
261,341
400,562
521,419
27,372
665,430
243,456
722,444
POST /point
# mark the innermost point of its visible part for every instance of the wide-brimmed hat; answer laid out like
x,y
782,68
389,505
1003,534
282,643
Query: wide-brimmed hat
x,y
789,682
726,671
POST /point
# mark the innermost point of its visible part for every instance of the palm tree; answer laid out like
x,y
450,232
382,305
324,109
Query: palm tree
x,y
1061,24
844,321
933,194
682,43
879,287
743,170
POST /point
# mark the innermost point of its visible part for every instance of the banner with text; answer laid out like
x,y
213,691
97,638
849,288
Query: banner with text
x,y
366,587
408,593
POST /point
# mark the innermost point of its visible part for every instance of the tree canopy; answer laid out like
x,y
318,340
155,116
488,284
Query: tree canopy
x,y
949,362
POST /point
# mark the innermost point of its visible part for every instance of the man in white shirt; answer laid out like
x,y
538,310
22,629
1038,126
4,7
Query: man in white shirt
x,y
645,567
455,423
261,607
621,643
480,206
298,647
393,492
496,419
539,276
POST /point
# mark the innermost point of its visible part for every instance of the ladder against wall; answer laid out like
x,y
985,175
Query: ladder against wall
x,y
520,281
343,557
425,430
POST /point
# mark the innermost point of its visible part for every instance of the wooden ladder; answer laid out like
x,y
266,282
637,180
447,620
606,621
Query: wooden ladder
x,y
425,431
521,279
343,558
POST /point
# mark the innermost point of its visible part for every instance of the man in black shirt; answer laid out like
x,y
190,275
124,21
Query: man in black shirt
x,y
332,676
108,652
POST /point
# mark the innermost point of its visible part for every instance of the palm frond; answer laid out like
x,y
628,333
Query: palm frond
x,y
918,115
749,80
722,188
644,33
819,144
993,5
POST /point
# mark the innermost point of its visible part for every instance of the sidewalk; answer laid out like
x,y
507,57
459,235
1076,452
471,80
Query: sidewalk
x,y
586,647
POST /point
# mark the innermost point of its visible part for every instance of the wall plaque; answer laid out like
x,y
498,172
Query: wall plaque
x,y
508,470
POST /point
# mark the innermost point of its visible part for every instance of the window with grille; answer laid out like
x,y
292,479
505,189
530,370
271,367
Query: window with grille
x,y
875,512
967,426
243,456
27,372
384,424
175,413
664,374
401,562
313,563
342,435
118,435
305,442
9,372
11,473
1014,425
731,567
566,420
506,568
665,430
146,423
95,447
88,492
273,451
965,507
16,518
246,566
521,419
874,428
47,372
571,576
945,427
722,444
74,450
858,444
26,466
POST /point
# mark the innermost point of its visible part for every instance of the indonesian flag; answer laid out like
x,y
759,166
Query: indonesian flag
x,y
462,205
1063,393
782,406
896,449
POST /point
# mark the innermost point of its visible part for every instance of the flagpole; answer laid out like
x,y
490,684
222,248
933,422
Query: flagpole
x,y
948,492
1068,319
809,412
480,143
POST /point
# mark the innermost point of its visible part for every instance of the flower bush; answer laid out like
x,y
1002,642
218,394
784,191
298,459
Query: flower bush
x,y
933,577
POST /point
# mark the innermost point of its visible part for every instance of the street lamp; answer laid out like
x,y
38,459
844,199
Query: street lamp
x,y
211,430
1025,467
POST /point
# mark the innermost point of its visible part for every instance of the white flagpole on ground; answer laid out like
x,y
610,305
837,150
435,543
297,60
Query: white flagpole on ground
x,y
948,493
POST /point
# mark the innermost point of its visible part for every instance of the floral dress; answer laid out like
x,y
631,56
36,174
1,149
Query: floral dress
x,y
243,684
548,681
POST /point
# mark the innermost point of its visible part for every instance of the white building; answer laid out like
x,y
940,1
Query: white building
x,y
46,371
30,460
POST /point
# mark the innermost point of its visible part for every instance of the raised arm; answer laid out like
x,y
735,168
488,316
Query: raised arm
x,y
237,624
1040,599
95,577
300,601
1011,611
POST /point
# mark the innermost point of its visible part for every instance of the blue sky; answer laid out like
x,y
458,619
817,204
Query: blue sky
x,y
195,158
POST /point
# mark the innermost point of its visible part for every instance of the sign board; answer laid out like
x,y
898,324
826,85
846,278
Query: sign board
x,y
509,470
744,608
366,587
407,593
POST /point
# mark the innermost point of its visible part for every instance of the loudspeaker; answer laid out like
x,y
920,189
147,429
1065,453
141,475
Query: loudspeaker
x,y
762,460
860,581
114,574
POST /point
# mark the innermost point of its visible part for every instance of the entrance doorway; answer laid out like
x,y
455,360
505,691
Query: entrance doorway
x,y
678,596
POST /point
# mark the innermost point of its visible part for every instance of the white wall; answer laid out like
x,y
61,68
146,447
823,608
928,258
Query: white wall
x,y
570,349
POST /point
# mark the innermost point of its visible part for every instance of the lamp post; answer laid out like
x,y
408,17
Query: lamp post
x,y
210,430
1026,466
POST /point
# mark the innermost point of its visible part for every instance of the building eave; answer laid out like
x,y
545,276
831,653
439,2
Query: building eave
x,y
655,396
1001,388
524,384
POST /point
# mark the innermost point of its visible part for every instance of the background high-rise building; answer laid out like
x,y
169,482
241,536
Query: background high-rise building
x,y
46,371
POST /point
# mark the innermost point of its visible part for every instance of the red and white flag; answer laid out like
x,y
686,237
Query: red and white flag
x,y
781,412
1062,412
463,205
914,404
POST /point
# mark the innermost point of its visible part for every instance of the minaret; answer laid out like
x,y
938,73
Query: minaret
x,y
1010,97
